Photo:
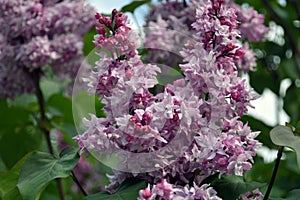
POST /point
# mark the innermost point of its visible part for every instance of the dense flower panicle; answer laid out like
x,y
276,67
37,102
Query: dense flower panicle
x,y
11,80
36,53
38,33
196,119
176,17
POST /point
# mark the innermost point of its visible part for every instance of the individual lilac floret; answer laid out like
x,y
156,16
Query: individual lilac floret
x,y
39,33
253,195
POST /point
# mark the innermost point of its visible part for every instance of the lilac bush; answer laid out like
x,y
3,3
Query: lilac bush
x,y
200,113
168,116
39,33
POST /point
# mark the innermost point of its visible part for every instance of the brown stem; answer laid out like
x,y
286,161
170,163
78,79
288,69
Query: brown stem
x,y
275,170
35,75
78,184
184,3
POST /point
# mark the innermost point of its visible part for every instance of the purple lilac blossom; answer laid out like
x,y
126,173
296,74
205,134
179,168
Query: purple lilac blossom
x,y
206,105
38,33
167,191
253,195
168,26
175,18
251,23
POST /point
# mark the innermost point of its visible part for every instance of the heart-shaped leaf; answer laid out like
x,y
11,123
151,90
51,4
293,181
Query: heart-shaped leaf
x,y
41,168
9,180
284,136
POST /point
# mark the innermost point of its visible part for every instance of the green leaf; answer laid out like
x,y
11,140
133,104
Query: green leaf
x,y
59,105
232,187
297,130
18,141
12,116
284,136
27,101
127,191
134,5
292,103
17,135
50,87
263,78
292,195
88,42
9,180
41,168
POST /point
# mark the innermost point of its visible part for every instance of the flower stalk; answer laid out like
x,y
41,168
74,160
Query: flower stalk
x,y
275,170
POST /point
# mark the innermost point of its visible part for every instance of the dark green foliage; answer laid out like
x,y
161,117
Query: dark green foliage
x,y
128,190
41,168
134,5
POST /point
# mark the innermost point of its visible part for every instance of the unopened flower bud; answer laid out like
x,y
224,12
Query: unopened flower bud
x,y
146,193
113,13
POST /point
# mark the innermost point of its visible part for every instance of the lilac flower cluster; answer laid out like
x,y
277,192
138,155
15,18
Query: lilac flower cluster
x,y
38,33
172,18
252,23
192,129
166,191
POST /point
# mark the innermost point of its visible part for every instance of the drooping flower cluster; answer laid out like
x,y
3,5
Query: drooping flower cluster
x,y
38,33
189,131
170,23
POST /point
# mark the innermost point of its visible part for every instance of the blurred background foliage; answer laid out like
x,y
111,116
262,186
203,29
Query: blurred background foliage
x,y
278,61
